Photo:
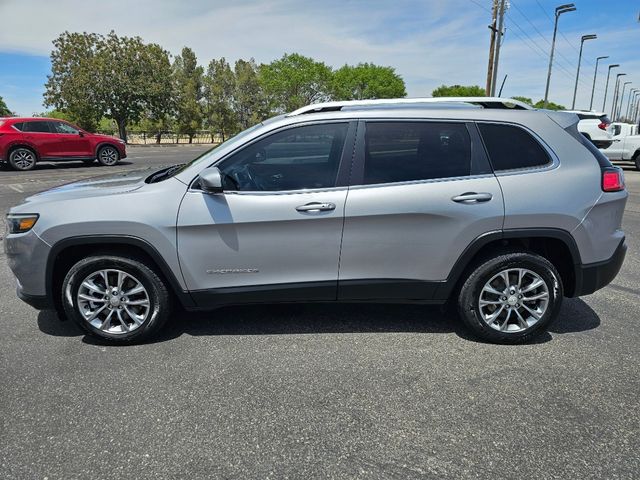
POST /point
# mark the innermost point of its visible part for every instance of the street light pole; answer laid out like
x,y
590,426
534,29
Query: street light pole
x,y
568,7
575,89
595,75
606,87
619,109
615,94
632,94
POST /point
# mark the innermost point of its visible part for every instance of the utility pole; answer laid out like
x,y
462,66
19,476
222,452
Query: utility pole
x,y
492,46
568,7
595,75
496,60
575,89
606,87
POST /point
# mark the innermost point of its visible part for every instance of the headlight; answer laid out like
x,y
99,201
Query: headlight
x,y
21,222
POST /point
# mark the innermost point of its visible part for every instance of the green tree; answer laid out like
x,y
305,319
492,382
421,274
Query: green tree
x,y
550,105
72,86
458,91
294,81
365,81
94,76
188,92
219,88
4,110
249,102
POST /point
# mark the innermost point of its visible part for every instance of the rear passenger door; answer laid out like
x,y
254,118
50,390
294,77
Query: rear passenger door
x,y
39,134
421,193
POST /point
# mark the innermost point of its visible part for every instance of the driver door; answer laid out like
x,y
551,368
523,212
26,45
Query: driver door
x,y
71,142
275,232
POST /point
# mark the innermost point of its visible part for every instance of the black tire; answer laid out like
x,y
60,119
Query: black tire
x,y
108,155
159,309
636,160
483,272
22,159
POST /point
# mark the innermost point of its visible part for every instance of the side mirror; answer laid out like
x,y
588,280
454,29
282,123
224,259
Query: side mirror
x,y
81,133
210,180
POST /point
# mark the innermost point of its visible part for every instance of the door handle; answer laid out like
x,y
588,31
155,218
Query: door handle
x,y
316,207
472,197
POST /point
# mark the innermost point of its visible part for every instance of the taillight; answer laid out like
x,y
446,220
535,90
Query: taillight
x,y
603,126
612,179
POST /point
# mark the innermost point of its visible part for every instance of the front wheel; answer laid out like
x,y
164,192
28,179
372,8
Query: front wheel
x,y
118,299
511,298
636,160
108,156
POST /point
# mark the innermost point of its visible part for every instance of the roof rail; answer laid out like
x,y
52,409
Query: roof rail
x,y
485,102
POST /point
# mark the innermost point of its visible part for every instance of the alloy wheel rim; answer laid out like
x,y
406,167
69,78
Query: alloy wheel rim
x,y
23,158
108,156
513,300
113,301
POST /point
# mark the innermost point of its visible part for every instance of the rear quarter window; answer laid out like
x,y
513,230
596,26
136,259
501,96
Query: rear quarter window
x,y
511,148
18,125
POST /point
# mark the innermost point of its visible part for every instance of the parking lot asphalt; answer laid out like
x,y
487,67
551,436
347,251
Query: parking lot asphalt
x,y
319,391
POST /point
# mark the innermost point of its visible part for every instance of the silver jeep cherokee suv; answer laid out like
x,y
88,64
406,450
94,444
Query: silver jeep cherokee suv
x,y
483,202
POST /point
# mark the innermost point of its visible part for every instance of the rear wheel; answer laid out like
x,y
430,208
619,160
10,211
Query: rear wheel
x,y
511,298
118,299
22,159
636,160
108,156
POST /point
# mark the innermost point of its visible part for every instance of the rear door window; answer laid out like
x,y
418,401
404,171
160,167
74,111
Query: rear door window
x,y
36,127
409,151
510,147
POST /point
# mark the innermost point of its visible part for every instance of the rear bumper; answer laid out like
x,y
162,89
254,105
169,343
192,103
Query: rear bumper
x,y
594,276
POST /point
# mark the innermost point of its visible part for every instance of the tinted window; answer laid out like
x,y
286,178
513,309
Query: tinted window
x,y
61,127
294,159
587,116
36,127
512,147
18,125
406,151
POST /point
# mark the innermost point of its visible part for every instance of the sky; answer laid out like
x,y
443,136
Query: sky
x,y
428,42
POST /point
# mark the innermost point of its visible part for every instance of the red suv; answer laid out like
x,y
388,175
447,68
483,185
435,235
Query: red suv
x,y
25,141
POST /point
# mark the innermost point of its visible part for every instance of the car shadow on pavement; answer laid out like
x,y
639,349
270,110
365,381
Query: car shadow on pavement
x,y
322,318
70,165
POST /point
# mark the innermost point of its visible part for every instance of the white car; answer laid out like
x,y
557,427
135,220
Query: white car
x,y
594,126
626,143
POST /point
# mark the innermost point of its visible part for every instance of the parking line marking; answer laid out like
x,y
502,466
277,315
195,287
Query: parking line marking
x,y
16,188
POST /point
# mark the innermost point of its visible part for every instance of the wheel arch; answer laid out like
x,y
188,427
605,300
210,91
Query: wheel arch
x,y
66,252
105,143
16,145
556,245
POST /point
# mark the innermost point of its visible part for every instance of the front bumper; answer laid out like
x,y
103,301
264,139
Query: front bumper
x,y
27,256
39,302
594,276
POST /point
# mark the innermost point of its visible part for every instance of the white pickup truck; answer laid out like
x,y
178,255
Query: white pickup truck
x,y
626,143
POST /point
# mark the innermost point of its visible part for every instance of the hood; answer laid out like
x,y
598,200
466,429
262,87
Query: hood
x,y
108,138
97,186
